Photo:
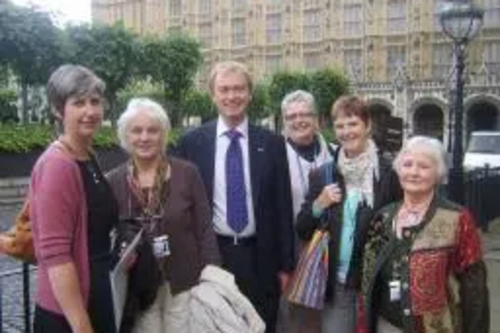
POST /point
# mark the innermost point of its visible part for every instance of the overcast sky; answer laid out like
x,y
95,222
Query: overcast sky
x,y
75,11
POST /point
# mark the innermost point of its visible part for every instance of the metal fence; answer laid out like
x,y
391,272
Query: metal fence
x,y
16,303
482,194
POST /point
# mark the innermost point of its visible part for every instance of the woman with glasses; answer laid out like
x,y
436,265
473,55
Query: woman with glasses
x,y
306,147
166,197
306,151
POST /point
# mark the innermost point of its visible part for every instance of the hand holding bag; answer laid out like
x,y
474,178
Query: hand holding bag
x,y
309,280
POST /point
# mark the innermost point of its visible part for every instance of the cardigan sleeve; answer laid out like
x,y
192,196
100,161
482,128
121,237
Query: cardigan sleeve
x,y
471,273
56,210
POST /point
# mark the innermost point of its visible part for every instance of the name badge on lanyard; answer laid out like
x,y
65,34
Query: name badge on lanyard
x,y
395,290
161,246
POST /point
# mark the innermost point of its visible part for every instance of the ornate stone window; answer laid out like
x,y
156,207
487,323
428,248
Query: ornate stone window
x,y
273,28
396,17
239,31
353,19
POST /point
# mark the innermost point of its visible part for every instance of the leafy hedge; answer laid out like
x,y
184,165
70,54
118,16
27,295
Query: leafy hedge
x,y
328,134
18,139
22,138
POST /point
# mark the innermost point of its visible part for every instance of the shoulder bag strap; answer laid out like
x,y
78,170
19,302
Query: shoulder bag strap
x,y
328,178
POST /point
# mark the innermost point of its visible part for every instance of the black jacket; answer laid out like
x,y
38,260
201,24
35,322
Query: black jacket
x,y
386,190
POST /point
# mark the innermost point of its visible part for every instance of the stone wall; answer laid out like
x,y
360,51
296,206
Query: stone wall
x,y
13,190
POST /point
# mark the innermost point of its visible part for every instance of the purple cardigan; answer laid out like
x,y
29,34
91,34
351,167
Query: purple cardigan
x,y
58,211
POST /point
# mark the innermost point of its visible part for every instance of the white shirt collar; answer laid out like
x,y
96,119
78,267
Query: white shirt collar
x,y
222,127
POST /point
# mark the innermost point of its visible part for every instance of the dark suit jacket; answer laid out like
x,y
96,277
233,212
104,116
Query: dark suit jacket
x,y
270,192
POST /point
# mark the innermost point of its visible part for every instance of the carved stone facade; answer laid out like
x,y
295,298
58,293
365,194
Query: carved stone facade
x,y
393,50
424,106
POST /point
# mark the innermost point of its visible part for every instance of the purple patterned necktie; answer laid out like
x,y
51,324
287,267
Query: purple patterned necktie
x,y
236,197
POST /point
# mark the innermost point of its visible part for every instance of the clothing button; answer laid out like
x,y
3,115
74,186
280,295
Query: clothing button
x,y
405,285
407,312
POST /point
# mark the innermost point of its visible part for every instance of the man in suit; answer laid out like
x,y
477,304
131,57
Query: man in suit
x,y
246,175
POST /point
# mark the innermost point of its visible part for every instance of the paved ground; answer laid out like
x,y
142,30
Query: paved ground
x,y
492,258
11,285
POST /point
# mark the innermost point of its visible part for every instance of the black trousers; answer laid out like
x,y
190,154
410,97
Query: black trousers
x,y
240,259
49,322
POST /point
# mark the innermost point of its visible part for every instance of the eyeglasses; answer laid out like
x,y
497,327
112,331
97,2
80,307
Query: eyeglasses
x,y
294,116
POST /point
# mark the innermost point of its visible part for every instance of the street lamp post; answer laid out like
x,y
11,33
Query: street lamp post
x,y
460,20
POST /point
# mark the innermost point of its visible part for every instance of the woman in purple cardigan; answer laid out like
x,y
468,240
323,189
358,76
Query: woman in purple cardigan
x,y
73,211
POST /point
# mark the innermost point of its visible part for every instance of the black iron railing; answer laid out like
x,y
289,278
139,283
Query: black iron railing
x,y
482,192
16,305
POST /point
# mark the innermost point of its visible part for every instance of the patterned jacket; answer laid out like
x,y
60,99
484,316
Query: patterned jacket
x,y
440,268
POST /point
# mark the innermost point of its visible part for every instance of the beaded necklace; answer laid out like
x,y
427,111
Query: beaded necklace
x,y
151,200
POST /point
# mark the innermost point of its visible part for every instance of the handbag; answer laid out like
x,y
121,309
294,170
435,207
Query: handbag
x,y
17,242
145,277
308,285
310,277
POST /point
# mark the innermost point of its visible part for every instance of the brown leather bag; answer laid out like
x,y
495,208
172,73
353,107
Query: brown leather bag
x,y
17,242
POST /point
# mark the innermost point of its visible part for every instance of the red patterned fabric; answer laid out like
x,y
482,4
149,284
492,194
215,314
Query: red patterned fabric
x,y
361,326
469,250
428,275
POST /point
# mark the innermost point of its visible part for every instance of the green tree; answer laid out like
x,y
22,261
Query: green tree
x,y
111,52
282,83
285,82
327,85
198,103
30,45
4,74
139,88
172,62
8,110
260,106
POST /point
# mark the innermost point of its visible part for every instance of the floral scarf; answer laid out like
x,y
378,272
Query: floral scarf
x,y
359,172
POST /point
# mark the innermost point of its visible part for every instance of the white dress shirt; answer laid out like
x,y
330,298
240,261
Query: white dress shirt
x,y
222,141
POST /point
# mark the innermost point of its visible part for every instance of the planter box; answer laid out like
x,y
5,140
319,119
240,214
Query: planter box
x,y
16,165
108,158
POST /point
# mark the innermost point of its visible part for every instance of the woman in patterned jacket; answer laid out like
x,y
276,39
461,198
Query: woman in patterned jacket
x,y
423,270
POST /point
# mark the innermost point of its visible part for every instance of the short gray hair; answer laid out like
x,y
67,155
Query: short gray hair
x,y
71,81
298,96
431,147
136,106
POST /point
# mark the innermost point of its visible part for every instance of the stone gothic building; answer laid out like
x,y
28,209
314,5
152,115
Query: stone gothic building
x,y
393,50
